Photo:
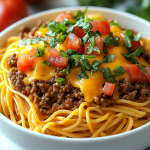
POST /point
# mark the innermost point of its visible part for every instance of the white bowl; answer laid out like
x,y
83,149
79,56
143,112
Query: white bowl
x,y
137,139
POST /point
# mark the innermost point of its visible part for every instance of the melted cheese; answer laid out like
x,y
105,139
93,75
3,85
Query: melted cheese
x,y
92,86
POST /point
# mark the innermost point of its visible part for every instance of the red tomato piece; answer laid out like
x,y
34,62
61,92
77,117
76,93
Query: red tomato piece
x,y
32,52
102,26
56,59
108,88
148,74
74,43
110,46
11,11
24,62
135,45
136,74
99,43
79,32
62,16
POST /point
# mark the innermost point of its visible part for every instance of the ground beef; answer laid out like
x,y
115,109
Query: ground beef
x,y
17,79
12,60
104,100
26,32
134,91
48,96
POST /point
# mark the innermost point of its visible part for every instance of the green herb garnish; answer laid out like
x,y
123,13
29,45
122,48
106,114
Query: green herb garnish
x,y
46,62
60,80
137,53
40,51
32,41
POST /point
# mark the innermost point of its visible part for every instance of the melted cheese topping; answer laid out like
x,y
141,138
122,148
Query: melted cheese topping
x,y
91,87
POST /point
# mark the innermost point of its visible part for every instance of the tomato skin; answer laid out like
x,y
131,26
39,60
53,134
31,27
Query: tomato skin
x,y
108,88
11,11
24,62
136,74
32,52
74,43
79,32
135,45
148,74
56,59
99,43
62,16
102,26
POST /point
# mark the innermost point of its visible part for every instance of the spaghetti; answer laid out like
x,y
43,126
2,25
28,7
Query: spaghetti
x,y
88,120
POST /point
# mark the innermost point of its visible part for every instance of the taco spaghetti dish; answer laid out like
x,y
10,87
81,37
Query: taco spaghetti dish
x,y
78,76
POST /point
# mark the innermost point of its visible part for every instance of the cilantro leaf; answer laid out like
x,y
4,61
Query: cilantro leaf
x,y
109,58
128,33
75,59
129,37
32,41
53,42
111,40
46,62
60,80
127,42
137,53
137,36
40,51
114,23
108,75
119,70
79,13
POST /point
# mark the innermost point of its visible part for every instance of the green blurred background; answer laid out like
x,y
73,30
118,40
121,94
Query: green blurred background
x,y
138,7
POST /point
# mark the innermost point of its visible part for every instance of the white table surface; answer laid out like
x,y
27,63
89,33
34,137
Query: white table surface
x,y
5,144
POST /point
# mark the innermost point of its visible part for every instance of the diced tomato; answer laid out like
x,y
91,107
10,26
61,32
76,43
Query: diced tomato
x,y
79,32
56,59
135,45
110,46
32,52
102,26
24,62
62,16
148,74
108,88
136,74
99,43
74,43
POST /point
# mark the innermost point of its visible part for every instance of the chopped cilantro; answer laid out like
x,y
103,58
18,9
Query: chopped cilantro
x,y
79,13
108,75
60,80
32,41
40,51
137,36
75,59
53,42
137,53
114,23
130,37
92,46
127,42
119,70
46,62
109,58
111,40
